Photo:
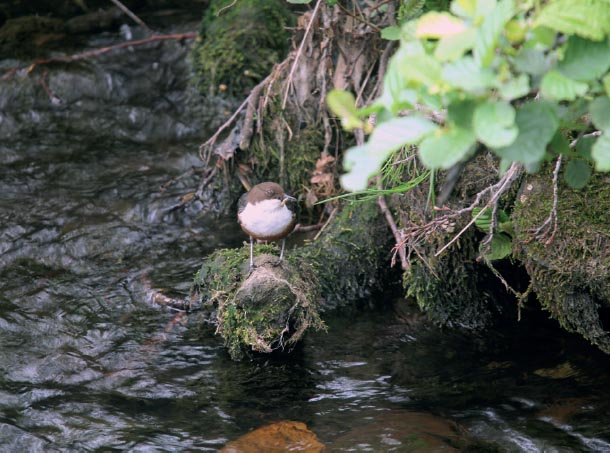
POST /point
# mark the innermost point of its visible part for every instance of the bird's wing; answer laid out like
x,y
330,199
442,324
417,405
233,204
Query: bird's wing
x,y
241,204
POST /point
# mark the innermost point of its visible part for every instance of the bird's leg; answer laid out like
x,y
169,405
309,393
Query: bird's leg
x,y
281,252
251,253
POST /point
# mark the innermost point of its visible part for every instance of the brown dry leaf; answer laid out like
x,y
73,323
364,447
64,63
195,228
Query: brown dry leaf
x,y
282,436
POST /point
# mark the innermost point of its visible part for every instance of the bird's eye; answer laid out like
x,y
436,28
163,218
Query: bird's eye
x,y
269,192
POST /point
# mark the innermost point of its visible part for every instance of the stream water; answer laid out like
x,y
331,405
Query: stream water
x,y
87,362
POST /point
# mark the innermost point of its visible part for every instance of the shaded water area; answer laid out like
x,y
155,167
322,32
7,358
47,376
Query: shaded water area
x,y
87,362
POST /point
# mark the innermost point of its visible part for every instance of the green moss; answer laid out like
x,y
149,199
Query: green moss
x,y
570,272
272,307
239,47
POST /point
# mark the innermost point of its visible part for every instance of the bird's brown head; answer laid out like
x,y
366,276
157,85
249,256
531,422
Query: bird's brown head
x,y
268,191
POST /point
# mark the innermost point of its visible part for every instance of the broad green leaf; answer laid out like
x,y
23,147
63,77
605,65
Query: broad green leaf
x,y
586,18
542,37
584,147
577,173
600,113
515,31
531,61
515,88
606,82
494,124
391,135
468,75
364,161
559,144
361,164
343,104
394,96
450,48
423,69
600,153
585,60
460,113
556,86
446,147
490,31
483,221
537,123
437,25
464,8
501,247
392,33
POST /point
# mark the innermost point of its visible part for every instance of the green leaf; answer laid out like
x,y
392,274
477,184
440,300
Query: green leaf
x,y
446,147
450,48
600,153
343,104
577,174
490,30
460,113
501,247
437,25
467,75
556,86
362,162
584,147
494,124
585,60
397,132
531,61
464,8
391,33
515,88
606,82
542,37
600,113
483,221
585,18
537,123
559,144
423,69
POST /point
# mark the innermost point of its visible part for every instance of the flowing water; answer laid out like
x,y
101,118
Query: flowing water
x,y
87,362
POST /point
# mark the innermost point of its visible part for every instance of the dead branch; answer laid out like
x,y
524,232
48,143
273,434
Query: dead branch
x,y
299,52
133,17
96,52
398,234
500,187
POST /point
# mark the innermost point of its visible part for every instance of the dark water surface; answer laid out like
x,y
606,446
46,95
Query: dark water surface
x,y
87,362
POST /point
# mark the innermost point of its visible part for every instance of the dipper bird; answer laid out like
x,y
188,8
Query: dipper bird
x,y
263,214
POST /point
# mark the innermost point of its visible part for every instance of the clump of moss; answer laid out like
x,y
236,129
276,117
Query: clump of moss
x,y
570,272
240,43
451,288
263,310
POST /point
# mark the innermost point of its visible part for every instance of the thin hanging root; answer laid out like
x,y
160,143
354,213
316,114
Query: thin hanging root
x,y
550,224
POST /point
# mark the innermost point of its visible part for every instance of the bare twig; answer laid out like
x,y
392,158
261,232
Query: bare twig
x,y
100,51
299,52
225,8
513,173
398,234
133,17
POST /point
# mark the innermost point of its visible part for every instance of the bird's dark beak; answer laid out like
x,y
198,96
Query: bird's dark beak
x,y
287,198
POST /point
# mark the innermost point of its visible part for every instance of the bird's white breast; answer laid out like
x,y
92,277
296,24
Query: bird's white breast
x,y
266,218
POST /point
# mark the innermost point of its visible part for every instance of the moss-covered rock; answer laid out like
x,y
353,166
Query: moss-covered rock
x,y
239,44
272,306
569,272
